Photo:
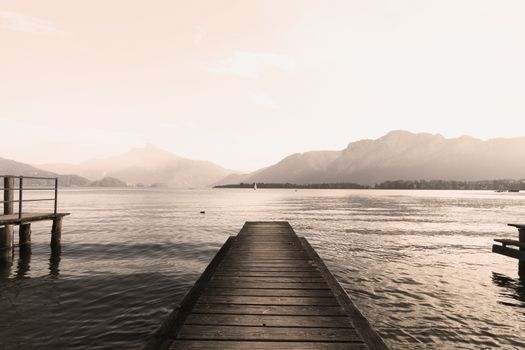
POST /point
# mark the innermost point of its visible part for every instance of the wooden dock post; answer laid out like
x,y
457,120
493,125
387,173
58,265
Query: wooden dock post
x,y
56,231
6,238
6,243
24,234
6,232
521,262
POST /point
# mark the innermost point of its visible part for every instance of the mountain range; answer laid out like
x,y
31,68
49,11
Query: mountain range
x,y
11,167
397,155
147,166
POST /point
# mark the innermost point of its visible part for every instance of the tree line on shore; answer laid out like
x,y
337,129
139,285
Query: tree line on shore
x,y
494,185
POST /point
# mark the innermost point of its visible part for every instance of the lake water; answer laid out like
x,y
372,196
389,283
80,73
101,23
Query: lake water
x,y
418,264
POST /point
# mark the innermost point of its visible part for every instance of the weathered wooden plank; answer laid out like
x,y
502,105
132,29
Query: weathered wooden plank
x,y
271,252
270,321
281,239
265,248
222,268
266,285
28,217
270,241
270,279
278,253
270,264
256,273
512,253
267,257
262,266
269,292
269,310
267,333
266,300
256,229
267,345
511,242
285,262
268,267
273,239
269,231
261,232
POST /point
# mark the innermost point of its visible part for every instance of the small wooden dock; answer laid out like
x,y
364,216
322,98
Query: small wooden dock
x,y
15,184
266,289
519,253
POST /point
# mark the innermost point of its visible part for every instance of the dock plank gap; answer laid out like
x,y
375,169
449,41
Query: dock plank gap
x,y
266,288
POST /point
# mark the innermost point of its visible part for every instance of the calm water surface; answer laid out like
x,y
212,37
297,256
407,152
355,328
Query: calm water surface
x,y
417,263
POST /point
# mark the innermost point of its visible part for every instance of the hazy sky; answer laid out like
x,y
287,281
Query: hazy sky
x,y
244,83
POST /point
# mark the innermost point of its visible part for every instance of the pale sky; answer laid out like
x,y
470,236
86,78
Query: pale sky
x,y
245,83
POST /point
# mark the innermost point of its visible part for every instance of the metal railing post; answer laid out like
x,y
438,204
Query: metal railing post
x,y
56,194
20,191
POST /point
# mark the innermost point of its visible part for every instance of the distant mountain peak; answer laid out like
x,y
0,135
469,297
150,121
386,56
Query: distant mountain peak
x,y
149,156
152,147
408,134
398,133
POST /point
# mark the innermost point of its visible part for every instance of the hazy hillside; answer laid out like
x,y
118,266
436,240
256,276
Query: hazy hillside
x,y
108,182
146,166
11,167
402,155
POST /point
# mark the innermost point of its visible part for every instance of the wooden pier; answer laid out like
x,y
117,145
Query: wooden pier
x,y
518,253
266,289
9,219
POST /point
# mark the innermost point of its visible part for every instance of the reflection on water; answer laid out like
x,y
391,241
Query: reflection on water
x,y
512,290
417,263
54,261
6,264
24,261
23,266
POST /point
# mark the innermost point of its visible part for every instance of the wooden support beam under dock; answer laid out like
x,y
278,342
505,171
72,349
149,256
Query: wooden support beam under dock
x,y
266,289
8,221
519,253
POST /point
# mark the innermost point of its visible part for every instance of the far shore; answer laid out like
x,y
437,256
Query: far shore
x,y
489,185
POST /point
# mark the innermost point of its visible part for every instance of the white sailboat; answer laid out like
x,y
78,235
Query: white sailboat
x,y
255,185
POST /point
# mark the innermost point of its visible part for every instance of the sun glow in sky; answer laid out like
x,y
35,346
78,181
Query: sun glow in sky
x,y
245,83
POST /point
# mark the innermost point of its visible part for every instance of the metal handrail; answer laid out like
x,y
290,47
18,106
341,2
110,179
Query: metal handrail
x,y
21,189
30,177
28,200
34,188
